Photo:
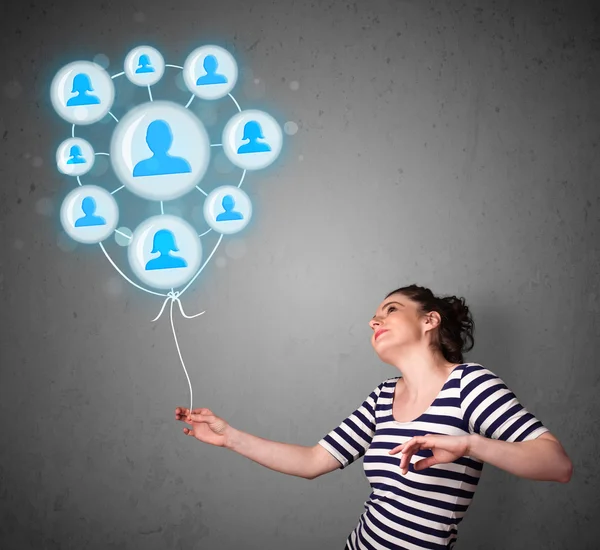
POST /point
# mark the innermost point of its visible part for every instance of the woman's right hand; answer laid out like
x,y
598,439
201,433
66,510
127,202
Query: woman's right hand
x,y
205,426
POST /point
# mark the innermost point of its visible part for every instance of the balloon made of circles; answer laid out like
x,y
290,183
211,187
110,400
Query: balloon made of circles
x,y
160,150
82,92
165,251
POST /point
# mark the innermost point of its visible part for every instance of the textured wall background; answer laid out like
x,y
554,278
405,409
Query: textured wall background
x,y
450,144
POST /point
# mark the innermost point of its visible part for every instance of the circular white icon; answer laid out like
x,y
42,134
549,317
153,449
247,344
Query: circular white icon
x,y
89,214
165,251
82,92
252,139
227,209
160,150
144,66
75,157
210,72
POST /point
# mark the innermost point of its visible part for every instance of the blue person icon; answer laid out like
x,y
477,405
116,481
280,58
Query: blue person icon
x,y
144,64
210,65
253,132
159,139
164,244
82,84
76,156
88,205
228,203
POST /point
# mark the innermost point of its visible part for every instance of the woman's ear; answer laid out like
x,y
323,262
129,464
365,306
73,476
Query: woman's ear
x,y
433,319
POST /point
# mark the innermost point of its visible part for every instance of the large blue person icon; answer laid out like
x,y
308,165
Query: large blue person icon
x,y
211,77
144,65
228,203
75,155
159,139
88,205
82,84
253,132
164,244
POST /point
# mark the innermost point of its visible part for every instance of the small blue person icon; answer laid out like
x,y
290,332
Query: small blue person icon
x,y
228,203
159,139
76,156
144,64
82,84
253,132
210,65
164,244
88,205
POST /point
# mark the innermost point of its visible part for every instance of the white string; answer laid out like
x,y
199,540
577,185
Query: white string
x,y
207,260
173,296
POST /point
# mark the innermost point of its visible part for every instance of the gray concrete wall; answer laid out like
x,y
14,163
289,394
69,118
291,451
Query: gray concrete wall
x,y
454,145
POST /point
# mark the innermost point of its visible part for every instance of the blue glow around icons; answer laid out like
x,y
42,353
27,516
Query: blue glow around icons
x,y
252,139
144,66
165,252
82,92
75,157
210,72
227,209
160,150
89,214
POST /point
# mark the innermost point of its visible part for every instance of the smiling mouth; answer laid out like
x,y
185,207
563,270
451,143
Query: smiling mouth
x,y
379,333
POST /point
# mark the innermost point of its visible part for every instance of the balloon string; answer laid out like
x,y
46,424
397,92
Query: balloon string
x,y
172,297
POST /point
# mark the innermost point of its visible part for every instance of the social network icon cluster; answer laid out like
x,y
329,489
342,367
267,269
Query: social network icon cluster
x,y
159,151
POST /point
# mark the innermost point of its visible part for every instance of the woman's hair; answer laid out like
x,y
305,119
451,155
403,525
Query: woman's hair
x,y
455,332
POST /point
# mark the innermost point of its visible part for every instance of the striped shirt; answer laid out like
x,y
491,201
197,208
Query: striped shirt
x,y
422,510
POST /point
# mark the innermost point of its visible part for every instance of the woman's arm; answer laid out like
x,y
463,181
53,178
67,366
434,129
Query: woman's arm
x,y
542,459
287,458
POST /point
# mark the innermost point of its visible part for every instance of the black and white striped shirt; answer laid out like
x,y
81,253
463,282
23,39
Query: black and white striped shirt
x,y
422,510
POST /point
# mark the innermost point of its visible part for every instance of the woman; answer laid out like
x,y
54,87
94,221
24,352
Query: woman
x,y
424,435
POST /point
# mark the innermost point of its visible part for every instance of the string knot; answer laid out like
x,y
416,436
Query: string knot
x,y
173,296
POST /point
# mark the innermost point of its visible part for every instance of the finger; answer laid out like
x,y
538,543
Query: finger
x,y
407,456
410,445
396,449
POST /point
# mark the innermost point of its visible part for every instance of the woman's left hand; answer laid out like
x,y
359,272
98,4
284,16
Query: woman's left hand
x,y
445,449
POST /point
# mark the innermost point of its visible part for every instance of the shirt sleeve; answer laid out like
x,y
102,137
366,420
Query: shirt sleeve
x,y
351,439
492,410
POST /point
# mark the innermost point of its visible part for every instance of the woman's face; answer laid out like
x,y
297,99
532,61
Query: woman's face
x,y
396,323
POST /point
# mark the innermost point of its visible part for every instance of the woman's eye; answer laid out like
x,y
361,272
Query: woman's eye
x,y
391,308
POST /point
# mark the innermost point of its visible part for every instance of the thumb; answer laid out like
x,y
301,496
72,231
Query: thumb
x,y
202,417
425,463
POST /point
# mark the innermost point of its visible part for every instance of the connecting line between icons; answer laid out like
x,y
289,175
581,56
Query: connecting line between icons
x,y
150,93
